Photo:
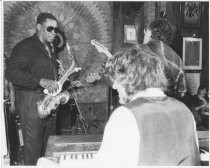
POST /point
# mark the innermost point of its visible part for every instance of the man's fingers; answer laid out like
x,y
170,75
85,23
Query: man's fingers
x,y
50,85
55,86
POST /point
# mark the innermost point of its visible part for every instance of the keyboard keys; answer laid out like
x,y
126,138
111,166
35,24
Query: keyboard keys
x,y
76,156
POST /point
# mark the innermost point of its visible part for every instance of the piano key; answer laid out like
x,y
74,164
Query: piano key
x,y
68,157
62,158
79,157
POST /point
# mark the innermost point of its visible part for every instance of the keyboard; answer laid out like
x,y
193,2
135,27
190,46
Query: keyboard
x,y
69,148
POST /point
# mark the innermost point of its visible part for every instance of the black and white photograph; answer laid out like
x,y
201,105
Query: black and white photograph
x,y
104,83
191,13
192,53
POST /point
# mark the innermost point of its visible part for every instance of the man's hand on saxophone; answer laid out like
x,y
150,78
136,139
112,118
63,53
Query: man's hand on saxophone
x,y
50,85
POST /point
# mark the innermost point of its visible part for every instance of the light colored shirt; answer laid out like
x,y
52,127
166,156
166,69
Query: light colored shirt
x,y
120,145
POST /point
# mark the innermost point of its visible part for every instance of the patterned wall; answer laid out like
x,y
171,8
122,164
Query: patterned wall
x,y
149,12
80,21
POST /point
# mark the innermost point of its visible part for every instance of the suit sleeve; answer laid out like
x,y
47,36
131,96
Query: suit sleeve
x,y
18,70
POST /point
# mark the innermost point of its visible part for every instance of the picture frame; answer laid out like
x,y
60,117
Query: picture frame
x,y
191,14
130,34
192,53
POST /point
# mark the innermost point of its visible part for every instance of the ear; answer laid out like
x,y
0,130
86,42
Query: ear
x,y
38,26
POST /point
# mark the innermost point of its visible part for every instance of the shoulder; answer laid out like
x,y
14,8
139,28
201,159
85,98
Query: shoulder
x,y
153,44
176,102
120,111
178,107
26,43
171,54
136,102
121,114
24,47
121,119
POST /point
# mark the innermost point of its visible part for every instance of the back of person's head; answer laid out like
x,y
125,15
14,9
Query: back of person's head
x,y
138,68
161,30
43,16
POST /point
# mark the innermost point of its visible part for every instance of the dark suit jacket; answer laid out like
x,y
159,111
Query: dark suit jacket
x,y
29,63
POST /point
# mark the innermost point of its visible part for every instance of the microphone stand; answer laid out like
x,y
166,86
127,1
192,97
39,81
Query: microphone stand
x,y
80,119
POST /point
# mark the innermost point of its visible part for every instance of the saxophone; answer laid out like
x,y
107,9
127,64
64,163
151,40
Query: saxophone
x,y
52,100
49,103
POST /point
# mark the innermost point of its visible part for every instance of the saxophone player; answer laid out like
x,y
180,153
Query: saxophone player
x,y
32,68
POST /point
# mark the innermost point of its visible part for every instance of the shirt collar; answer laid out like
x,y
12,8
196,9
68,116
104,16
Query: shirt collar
x,y
150,92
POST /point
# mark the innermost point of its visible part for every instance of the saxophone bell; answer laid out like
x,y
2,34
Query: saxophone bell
x,y
42,107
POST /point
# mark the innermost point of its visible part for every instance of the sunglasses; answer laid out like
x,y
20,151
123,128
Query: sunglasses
x,y
51,28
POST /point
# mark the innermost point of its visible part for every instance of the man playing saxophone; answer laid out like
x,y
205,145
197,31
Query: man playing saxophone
x,y
32,68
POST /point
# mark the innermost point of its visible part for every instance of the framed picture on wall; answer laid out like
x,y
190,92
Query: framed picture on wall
x,y
192,53
191,13
130,34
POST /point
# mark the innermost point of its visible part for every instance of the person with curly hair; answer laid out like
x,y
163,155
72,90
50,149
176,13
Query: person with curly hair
x,y
159,29
149,128
158,36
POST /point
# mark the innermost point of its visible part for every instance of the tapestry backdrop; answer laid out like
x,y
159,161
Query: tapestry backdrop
x,y
79,22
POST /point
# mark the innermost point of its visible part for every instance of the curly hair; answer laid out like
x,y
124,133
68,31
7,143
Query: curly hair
x,y
161,30
137,68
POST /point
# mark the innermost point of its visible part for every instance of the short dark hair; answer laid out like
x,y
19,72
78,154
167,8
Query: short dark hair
x,y
161,30
137,68
43,16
